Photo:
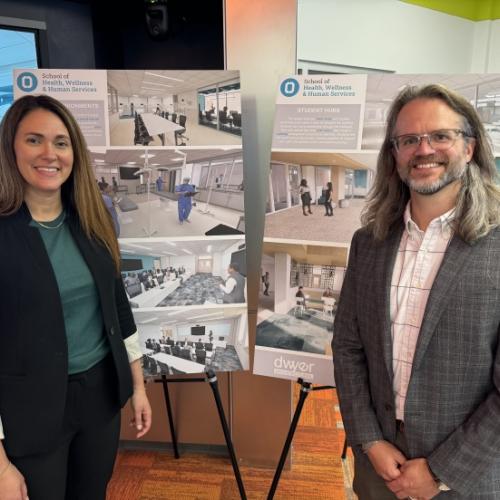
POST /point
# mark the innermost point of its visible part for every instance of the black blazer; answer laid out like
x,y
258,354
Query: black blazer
x,y
33,346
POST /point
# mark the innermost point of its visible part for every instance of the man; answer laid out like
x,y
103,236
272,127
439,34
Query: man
x,y
159,184
266,281
234,288
415,346
301,298
102,184
186,192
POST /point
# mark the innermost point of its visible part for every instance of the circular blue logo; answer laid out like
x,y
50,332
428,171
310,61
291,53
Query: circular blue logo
x,y
27,81
289,87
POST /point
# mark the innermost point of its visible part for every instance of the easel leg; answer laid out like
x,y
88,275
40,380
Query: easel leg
x,y
212,380
305,389
170,418
344,450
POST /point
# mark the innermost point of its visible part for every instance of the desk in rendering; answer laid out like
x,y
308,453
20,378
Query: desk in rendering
x,y
156,125
181,364
153,296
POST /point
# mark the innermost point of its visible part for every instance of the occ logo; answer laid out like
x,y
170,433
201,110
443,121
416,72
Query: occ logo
x,y
27,81
289,87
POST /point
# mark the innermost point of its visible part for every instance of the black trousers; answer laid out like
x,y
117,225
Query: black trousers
x,y
328,208
80,466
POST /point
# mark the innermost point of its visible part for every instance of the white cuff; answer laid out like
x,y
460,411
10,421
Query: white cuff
x,y
2,435
133,348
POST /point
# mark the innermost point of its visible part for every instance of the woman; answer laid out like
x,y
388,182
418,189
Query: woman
x,y
328,199
69,354
305,196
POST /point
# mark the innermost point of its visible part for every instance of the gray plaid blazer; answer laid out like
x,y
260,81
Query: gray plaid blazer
x,y
452,410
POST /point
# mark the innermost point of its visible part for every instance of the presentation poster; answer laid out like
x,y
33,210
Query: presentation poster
x,y
327,133
166,150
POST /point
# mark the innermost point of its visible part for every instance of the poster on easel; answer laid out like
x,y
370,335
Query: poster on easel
x,y
166,151
327,133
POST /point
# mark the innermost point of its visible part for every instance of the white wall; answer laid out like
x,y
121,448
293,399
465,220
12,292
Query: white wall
x,y
218,268
220,328
241,340
384,34
485,54
188,261
282,267
188,102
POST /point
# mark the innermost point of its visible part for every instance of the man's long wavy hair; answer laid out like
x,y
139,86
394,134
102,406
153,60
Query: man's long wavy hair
x,y
79,192
478,201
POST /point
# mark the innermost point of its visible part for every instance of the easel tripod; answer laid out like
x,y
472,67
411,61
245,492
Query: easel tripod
x,y
211,378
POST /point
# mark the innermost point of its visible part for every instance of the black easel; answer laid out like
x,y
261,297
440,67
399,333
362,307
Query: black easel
x,y
211,378
305,389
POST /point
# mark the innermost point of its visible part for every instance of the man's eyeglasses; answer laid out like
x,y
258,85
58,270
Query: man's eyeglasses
x,y
439,140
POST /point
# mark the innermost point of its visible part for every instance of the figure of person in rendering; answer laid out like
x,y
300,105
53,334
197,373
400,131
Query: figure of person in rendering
x,y
159,184
102,184
266,282
301,298
418,368
184,202
234,288
108,198
328,199
305,197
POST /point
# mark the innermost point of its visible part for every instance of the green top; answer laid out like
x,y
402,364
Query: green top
x,y
87,344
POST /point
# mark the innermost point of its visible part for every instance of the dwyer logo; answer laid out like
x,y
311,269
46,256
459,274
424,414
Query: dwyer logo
x,y
27,81
282,363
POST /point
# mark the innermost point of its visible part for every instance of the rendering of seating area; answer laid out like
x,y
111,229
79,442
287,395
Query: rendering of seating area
x,y
166,356
143,137
148,287
228,121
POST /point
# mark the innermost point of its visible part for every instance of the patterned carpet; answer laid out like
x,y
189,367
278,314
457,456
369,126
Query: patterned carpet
x,y
311,332
226,360
196,290
317,472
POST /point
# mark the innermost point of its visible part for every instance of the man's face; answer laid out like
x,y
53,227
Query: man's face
x,y
426,170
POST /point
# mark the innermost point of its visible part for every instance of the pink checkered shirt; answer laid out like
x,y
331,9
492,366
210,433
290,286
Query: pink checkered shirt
x,y
418,260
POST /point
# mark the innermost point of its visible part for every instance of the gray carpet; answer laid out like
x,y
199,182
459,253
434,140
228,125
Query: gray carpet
x,y
196,290
226,360
310,333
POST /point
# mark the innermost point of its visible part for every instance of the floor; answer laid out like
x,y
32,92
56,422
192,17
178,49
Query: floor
x,y
198,289
226,360
317,471
292,224
122,134
312,332
159,217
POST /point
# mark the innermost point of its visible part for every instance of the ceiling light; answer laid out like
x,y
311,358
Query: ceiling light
x,y
149,320
162,84
142,247
163,76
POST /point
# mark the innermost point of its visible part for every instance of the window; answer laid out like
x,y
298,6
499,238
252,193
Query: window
x,y
18,49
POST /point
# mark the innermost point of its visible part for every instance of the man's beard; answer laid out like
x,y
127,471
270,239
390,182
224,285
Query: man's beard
x,y
453,170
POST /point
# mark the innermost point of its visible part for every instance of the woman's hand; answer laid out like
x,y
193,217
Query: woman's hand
x,y
142,412
12,485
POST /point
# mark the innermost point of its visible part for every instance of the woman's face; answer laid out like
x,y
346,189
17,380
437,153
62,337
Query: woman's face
x,y
44,153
